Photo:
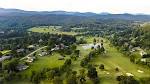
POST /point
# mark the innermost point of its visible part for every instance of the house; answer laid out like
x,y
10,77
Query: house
x,y
145,60
58,47
97,45
136,49
22,67
31,46
30,59
4,58
60,58
43,53
142,53
2,32
40,40
20,50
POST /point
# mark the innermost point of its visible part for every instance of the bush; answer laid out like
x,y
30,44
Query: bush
x,y
101,66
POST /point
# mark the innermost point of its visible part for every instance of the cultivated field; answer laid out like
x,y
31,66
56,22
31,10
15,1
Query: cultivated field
x,y
50,29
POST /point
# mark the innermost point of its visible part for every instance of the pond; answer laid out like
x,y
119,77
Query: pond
x,y
88,46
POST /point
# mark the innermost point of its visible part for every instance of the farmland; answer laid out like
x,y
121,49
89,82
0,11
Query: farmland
x,y
112,59
50,29
67,53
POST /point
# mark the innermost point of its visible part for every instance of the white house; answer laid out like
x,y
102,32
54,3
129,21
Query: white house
x,y
142,53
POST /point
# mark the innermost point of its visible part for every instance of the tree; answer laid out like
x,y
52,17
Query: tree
x,y
73,47
32,75
1,54
57,80
36,78
116,69
98,49
126,80
77,53
84,62
82,76
11,65
14,53
94,41
101,66
67,62
73,78
51,44
92,73
132,58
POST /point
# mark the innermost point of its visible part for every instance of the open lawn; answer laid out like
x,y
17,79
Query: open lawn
x,y
112,59
5,51
50,29
50,61
146,27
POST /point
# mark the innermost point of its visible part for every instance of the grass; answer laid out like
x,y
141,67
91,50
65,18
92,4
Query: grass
x,y
146,27
42,62
112,59
50,29
5,51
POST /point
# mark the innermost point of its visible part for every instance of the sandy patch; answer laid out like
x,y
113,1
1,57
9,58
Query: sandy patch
x,y
140,71
129,74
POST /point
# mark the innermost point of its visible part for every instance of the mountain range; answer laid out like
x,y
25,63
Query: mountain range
x,y
16,18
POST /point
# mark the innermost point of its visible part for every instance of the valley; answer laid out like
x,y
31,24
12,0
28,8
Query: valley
x,y
112,58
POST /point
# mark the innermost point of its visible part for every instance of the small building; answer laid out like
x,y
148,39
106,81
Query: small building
x,y
22,67
136,49
142,53
20,50
30,59
40,40
31,46
129,74
58,47
60,58
145,60
43,53
4,58
2,32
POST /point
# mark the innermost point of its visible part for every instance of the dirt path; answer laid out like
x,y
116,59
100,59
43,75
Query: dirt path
x,y
33,52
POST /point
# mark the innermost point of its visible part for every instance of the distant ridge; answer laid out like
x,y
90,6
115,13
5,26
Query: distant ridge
x,y
4,11
64,16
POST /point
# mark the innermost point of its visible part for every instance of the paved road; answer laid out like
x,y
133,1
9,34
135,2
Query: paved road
x,y
33,52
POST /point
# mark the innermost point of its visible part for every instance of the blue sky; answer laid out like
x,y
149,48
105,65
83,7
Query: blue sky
x,y
97,6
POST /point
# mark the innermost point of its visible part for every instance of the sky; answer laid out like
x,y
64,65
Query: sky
x,y
96,6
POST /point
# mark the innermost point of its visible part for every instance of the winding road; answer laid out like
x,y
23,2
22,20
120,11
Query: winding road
x,y
33,52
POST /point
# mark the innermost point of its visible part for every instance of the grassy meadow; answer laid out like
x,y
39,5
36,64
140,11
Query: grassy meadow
x,y
50,29
111,60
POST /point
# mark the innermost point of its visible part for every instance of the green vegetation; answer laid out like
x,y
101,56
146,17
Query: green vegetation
x,y
50,29
5,51
97,56
50,61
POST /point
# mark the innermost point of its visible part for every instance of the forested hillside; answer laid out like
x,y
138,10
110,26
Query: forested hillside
x,y
14,18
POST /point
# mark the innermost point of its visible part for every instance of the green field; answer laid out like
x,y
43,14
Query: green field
x,y
146,27
5,51
50,29
50,61
112,59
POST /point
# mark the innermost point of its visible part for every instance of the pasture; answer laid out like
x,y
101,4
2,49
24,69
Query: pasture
x,y
111,60
50,29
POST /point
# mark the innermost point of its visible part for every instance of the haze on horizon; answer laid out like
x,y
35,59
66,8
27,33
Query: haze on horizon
x,y
96,6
